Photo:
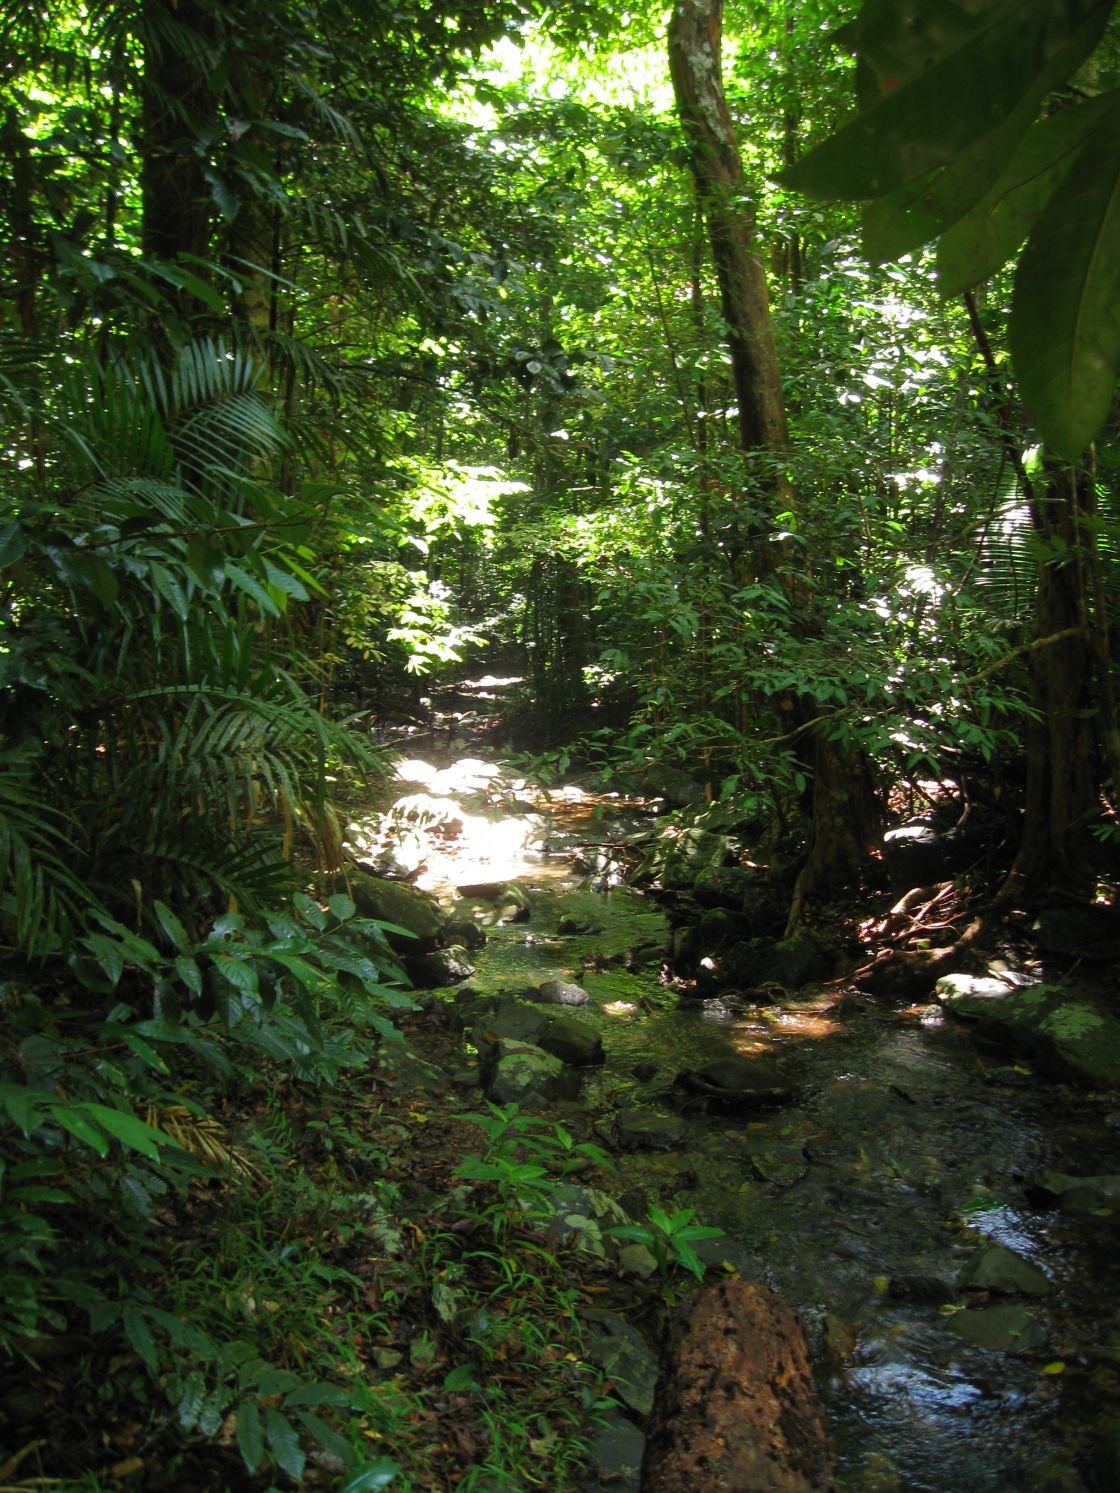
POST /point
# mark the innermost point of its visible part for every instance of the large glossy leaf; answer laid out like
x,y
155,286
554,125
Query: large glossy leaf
x,y
986,237
976,75
1065,327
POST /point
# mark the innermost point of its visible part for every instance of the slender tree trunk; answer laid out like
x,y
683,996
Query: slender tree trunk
x,y
845,819
176,197
695,36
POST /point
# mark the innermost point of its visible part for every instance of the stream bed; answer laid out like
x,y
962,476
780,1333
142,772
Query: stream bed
x,y
902,1153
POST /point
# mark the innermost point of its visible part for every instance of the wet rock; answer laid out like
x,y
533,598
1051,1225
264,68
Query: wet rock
x,y
520,1073
694,851
1068,1034
777,1161
403,906
1001,1270
1000,1329
465,931
738,1082
735,1407
1047,1189
449,966
623,1354
643,1072
399,857
637,1260
572,1041
793,962
582,1217
616,1453
929,1284
648,1130
572,923
429,811
915,855
504,1017
513,904
558,993
1092,932
672,784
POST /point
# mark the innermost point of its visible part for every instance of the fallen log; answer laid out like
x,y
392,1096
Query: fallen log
x,y
735,1410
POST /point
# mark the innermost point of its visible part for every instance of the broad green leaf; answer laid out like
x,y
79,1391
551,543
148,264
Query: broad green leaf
x,y
250,1435
139,1335
99,577
327,1437
130,1131
252,588
284,581
145,1051
309,910
190,1401
171,588
206,560
372,1477
13,543
342,907
25,1106
976,76
107,952
986,237
276,1382
171,926
188,971
317,1394
80,1128
1065,322
308,976
241,973
284,1444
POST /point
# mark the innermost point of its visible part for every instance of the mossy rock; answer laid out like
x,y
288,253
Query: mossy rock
x,y
400,905
1068,1033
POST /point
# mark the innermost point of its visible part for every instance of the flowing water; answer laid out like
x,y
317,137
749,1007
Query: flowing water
x,y
903,1151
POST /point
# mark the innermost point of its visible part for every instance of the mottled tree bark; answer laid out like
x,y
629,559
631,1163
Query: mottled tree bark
x,y
695,35
845,819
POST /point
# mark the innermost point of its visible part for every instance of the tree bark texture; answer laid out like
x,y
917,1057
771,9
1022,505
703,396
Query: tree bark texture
x,y
845,818
695,63
176,101
1062,752
735,1410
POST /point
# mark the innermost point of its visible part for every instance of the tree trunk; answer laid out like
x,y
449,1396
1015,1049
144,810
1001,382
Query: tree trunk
x,y
845,813
695,35
1062,768
176,197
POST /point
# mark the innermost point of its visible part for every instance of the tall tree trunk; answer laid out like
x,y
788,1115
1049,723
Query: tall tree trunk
x,y
176,99
845,818
1063,776
695,64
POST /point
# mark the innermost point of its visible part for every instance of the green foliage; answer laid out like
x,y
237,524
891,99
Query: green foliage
x,y
670,1237
986,174
524,1159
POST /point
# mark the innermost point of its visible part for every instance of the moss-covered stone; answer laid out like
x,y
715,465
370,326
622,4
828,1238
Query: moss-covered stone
x,y
1067,1032
404,907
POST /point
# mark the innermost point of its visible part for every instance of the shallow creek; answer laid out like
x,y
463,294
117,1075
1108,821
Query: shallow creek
x,y
902,1152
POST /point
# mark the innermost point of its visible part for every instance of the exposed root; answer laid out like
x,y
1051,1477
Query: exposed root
x,y
896,971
